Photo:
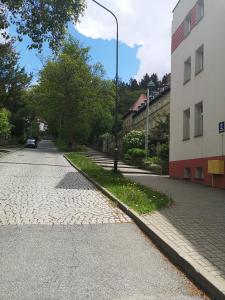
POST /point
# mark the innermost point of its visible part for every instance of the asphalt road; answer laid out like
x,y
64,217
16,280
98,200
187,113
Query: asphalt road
x,y
60,238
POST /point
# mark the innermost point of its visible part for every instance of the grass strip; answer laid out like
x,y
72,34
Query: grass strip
x,y
140,198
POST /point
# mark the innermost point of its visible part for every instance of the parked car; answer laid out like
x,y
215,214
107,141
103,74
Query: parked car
x,y
31,143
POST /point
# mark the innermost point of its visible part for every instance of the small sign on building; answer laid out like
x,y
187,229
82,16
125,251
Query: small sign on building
x,y
221,127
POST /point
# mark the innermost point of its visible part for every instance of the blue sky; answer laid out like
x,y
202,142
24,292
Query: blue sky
x,y
101,51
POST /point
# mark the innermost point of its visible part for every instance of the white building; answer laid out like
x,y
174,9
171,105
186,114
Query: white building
x,y
198,91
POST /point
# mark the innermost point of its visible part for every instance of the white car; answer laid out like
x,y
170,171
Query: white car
x,y
31,143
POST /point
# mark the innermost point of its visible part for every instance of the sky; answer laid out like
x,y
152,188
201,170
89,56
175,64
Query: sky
x,y
144,34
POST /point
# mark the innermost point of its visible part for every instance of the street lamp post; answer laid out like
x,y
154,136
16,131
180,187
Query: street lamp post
x,y
116,98
150,88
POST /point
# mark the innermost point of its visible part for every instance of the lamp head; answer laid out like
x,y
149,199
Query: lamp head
x,y
151,85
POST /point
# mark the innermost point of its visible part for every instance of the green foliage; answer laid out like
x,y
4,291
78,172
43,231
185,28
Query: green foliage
x,y
60,144
152,160
134,139
5,126
140,198
13,82
157,164
42,21
73,97
13,79
136,155
163,152
127,97
153,164
162,128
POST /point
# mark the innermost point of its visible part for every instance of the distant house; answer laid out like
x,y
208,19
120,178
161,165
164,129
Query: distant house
x,y
159,110
128,117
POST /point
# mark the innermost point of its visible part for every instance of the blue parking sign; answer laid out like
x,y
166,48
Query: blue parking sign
x,y
221,127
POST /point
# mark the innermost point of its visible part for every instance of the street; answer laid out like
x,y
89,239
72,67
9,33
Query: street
x,y
60,238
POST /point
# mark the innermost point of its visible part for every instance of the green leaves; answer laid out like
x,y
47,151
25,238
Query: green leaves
x,y
42,20
5,125
73,97
13,79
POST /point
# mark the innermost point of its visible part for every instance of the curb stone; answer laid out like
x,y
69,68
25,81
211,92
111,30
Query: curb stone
x,y
201,280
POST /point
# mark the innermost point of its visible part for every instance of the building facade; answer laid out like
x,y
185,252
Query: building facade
x,y
198,92
159,110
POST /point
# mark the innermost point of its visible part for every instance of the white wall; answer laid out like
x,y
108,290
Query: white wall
x,y
208,86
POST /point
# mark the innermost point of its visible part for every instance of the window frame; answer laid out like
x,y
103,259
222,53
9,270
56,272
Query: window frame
x,y
199,171
187,78
187,173
187,25
200,10
186,124
199,123
198,52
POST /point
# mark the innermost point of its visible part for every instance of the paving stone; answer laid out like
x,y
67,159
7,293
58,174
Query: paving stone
x,y
38,189
196,221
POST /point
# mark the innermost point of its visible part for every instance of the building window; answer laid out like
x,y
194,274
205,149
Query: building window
x,y
187,25
187,70
199,60
186,124
200,10
187,173
199,119
199,173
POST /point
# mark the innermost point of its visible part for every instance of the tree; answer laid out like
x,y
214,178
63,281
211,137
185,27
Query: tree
x,y
5,125
133,84
144,81
13,79
73,97
42,20
165,79
13,82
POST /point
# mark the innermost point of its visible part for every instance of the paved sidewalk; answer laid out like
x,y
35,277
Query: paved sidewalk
x,y
108,164
194,226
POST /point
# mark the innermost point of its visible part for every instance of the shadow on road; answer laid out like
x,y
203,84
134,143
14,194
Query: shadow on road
x,y
74,181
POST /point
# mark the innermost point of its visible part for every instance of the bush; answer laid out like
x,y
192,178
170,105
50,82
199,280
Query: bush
x,y
156,165
136,155
153,164
152,160
134,139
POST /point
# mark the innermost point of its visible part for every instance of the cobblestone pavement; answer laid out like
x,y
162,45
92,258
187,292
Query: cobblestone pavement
x,y
38,186
194,225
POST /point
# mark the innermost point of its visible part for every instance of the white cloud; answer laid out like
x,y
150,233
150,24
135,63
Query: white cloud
x,y
146,23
